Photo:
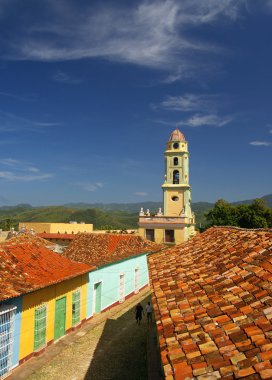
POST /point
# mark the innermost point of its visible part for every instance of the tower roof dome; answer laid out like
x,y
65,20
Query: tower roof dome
x,y
176,135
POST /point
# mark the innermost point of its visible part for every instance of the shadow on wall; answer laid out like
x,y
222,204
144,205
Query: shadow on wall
x,y
122,350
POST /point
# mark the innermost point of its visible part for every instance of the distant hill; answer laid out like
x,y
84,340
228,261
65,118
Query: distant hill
x,y
128,207
102,216
266,198
60,214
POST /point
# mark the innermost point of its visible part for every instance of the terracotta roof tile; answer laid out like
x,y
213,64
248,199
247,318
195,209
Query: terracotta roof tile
x,y
102,249
27,265
212,299
46,235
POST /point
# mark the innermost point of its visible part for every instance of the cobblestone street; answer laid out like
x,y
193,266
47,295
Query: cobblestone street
x,y
109,347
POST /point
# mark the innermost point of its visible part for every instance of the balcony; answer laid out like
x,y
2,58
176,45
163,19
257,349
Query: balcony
x,y
163,221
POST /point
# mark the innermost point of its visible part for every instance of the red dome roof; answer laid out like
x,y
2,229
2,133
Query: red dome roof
x,y
176,135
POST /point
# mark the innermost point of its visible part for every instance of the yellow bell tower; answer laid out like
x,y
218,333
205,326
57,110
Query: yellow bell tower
x,y
176,223
176,188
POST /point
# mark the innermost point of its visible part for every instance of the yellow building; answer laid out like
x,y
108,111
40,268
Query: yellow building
x,y
57,228
43,293
176,223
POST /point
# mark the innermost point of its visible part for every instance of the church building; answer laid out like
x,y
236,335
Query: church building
x,y
176,223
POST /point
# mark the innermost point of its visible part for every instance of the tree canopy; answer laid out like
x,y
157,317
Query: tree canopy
x,y
255,215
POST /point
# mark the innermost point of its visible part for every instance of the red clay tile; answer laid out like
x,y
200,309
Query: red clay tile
x,y
27,265
217,290
266,373
102,249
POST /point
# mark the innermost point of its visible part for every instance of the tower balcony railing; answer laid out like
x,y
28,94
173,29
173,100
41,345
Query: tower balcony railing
x,y
163,219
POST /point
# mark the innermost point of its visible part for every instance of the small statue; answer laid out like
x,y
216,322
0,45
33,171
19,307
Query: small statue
x,y
141,213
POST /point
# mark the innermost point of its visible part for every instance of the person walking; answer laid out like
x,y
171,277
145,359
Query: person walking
x,y
138,313
149,309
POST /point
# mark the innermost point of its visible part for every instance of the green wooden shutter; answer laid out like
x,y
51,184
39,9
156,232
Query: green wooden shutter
x,y
40,327
60,317
76,307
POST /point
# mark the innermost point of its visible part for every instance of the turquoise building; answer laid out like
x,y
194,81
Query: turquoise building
x,y
120,263
112,283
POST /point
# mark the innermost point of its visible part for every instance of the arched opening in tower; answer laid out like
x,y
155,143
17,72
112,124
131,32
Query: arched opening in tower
x,y
175,161
175,177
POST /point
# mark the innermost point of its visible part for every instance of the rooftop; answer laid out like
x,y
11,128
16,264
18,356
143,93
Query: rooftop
x,y
48,235
102,249
27,265
212,300
176,135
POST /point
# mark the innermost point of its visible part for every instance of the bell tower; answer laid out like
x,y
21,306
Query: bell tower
x,y
176,188
176,223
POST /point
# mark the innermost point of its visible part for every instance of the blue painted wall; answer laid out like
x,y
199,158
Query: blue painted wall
x,y
18,316
110,277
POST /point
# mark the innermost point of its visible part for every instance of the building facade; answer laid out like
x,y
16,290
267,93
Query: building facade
x,y
42,298
120,267
176,223
56,228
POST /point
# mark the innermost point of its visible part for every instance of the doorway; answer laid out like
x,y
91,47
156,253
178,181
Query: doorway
x,y
60,318
97,296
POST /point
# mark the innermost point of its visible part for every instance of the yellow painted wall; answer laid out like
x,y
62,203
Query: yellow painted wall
x,y
141,232
171,207
159,234
180,236
49,295
54,228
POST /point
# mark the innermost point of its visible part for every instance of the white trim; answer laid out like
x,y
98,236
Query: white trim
x,y
7,315
7,308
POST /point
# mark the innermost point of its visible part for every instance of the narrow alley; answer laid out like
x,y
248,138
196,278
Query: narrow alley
x,y
111,346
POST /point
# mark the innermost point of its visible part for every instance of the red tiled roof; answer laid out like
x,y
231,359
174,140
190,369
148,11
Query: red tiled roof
x,y
212,300
27,237
101,249
27,266
46,235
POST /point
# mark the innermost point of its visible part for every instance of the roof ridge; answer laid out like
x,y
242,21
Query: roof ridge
x,y
243,229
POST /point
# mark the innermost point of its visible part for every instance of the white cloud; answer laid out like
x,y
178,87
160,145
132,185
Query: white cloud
x,y
21,171
151,34
89,186
141,194
268,4
14,96
10,123
9,162
9,176
33,169
62,77
189,102
260,143
213,120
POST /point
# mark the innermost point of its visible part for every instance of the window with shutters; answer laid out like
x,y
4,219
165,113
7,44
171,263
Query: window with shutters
x,y
76,307
40,327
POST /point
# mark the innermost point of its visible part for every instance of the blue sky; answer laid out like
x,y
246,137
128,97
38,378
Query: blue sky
x,y
90,92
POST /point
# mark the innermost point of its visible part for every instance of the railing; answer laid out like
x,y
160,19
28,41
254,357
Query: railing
x,y
162,219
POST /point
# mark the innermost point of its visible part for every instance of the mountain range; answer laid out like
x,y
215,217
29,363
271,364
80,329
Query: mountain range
x,y
101,215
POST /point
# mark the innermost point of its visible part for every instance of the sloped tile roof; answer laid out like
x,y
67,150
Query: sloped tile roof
x,y
29,238
101,249
212,300
26,266
46,235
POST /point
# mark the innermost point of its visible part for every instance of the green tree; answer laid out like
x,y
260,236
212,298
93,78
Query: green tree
x,y
255,215
223,214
